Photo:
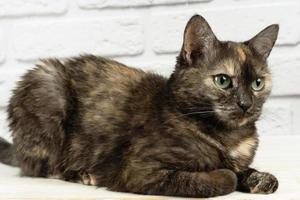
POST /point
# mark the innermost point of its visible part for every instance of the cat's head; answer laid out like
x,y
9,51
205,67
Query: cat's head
x,y
229,80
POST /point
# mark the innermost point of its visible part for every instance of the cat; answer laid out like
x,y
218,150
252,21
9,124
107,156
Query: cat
x,y
93,120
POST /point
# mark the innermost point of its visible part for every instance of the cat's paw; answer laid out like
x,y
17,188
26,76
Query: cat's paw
x,y
88,179
262,183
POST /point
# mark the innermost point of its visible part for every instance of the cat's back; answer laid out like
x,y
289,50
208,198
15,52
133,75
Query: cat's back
x,y
97,89
86,78
111,94
107,86
94,73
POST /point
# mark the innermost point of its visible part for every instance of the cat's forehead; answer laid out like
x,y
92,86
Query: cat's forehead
x,y
237,60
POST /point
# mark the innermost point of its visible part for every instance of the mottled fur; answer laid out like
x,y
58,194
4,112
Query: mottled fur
x,y
93,120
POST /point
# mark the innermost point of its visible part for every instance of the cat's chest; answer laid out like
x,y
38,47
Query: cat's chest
x,y
242,152
243,148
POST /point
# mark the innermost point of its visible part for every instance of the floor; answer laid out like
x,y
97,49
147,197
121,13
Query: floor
x,y
277,154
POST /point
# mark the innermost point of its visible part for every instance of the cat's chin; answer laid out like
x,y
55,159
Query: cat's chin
x,y
240,122
236,119
236,122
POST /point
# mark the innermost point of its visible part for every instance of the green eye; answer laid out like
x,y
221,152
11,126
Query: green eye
x,y
257,85
222,81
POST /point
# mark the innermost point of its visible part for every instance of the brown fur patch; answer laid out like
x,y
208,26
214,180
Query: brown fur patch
x,y
241,54
244,148
39,152
227,67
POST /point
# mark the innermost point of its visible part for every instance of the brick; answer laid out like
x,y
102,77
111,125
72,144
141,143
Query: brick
x,y
95,4
32,7
164,68
2,47
157,2
8,81
237,23
296,114
4,126
285,72
114,37
1,57
276,118
90,4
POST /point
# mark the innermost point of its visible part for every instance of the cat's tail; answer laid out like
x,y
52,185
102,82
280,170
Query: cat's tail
x,y
7,155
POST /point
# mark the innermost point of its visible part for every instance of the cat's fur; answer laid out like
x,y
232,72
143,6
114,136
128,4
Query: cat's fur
x,y
93,120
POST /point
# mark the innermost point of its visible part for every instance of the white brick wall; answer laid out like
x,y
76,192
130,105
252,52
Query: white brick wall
x,y
148,34
63,38
14,8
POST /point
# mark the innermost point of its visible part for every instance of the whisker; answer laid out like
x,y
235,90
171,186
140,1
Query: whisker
x,y
191,113
222,108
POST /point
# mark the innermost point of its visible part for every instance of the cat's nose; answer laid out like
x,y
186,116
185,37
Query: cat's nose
x,y
244,105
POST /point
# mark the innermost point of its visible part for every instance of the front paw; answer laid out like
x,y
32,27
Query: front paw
x,y
262,183
87,179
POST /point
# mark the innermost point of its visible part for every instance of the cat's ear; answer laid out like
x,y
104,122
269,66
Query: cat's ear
x,y
264,41
198,41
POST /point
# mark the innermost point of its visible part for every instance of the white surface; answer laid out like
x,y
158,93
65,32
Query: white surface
x,y
278,155
148,34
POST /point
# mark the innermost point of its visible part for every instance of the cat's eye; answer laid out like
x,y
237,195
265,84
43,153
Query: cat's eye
x,y
222,81
258,84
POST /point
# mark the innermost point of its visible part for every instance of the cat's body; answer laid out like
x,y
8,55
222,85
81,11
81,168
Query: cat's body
x,y
96,121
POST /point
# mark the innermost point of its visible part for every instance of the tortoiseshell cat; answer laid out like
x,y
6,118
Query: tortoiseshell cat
x,y
96,121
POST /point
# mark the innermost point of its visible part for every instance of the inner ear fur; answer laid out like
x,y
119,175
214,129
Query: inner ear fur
x,y
262,44
199,41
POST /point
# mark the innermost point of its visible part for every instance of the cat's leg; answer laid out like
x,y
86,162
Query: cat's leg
x,y
253,181
37,112
183,183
